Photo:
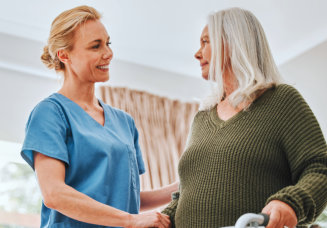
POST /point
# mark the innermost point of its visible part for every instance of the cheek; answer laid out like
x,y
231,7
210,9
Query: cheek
x,y
87,64
84,63
207,52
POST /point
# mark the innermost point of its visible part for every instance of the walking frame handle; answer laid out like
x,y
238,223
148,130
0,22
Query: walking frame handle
x,y
254,220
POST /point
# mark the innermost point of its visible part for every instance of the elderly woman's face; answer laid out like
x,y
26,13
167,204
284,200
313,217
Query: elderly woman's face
x,y
91,55
204,53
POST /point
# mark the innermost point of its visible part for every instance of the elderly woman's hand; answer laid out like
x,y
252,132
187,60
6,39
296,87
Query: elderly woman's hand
x,y
280,215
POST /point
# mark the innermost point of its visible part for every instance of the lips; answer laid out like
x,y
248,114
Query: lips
x,y
203,64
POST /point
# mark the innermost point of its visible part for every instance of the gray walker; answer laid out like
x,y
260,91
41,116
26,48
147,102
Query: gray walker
x,y
251,220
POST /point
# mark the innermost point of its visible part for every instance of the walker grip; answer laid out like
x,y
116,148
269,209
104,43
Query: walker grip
x,y
252,220
266,219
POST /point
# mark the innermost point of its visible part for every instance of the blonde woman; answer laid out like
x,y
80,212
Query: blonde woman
x,y
85,153
255,146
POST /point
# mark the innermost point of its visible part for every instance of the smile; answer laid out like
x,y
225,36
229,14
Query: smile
x,y
104,67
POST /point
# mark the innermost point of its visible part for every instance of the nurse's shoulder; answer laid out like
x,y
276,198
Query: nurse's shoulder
x,y
49,109
118,114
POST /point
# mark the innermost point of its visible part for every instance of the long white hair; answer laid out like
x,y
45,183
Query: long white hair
x,y
237,38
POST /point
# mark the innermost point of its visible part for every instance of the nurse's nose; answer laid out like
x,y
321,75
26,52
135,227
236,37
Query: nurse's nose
x,y
108,54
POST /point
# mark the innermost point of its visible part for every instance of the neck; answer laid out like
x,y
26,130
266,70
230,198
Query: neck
x,y
230,85
79,91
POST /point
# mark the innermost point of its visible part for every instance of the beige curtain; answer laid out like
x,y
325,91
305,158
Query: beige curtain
x,y
163,126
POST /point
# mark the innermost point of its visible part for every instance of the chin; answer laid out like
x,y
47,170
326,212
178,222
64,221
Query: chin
x,y
104,79
205,76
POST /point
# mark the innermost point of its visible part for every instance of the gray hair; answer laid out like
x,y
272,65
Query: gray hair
x,y
237,36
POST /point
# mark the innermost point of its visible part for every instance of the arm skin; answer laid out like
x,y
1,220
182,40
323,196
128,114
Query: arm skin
x,y
156,198
74,204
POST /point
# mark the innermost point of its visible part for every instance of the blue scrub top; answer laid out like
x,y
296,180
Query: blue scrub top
x,y
103,162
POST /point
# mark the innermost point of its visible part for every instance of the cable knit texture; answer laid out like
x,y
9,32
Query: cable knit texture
x,y
273,150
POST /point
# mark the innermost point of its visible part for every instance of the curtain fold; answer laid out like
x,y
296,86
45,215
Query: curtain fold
x,y
163,126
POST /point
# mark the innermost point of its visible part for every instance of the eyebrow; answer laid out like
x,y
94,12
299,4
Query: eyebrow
x,y
204,37
98,40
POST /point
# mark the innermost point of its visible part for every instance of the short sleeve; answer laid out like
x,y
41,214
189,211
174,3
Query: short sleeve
x,y
139,157
46,133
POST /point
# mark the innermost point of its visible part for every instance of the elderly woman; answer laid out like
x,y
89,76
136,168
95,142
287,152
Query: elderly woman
x,y
255,146
85,153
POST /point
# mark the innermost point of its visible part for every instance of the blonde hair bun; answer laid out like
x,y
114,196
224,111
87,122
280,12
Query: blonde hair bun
x,y
46,58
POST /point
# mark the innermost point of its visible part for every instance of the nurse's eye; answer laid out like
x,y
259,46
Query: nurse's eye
x,y
96,46
108,44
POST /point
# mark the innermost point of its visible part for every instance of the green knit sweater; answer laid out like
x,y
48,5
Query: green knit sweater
x,y
273,150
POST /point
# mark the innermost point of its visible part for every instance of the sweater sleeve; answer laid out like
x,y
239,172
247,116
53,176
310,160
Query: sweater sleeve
x,y
170,210
306,151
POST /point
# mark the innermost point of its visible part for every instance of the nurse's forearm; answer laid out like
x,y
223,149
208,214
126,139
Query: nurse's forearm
x,y
156,198
59,196
81,207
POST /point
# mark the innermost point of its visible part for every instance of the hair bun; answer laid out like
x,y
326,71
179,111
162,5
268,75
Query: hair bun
x,y
47,59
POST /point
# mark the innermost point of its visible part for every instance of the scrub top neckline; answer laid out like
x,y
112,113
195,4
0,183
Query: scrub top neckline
x,y
100,103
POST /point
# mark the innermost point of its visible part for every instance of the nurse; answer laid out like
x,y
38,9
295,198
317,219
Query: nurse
x,y
85,153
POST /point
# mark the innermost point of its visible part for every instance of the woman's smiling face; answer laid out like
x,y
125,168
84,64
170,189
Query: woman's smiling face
x,y
204,53
90,56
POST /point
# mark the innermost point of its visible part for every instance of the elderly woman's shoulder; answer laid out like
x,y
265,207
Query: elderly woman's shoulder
x,y
288,91
285,94
286,88
205,109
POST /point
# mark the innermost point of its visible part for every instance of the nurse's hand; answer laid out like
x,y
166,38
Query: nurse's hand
x,y
149,219
280,214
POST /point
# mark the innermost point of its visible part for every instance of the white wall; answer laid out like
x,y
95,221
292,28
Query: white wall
x,y
19,93
162,83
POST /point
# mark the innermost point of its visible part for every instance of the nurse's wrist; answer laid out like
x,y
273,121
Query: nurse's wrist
x,y
127,220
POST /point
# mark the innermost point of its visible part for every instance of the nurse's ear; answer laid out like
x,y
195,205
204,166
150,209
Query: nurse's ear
x,y
63,56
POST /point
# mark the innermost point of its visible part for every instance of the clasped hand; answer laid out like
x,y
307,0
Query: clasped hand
x,y
149,219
